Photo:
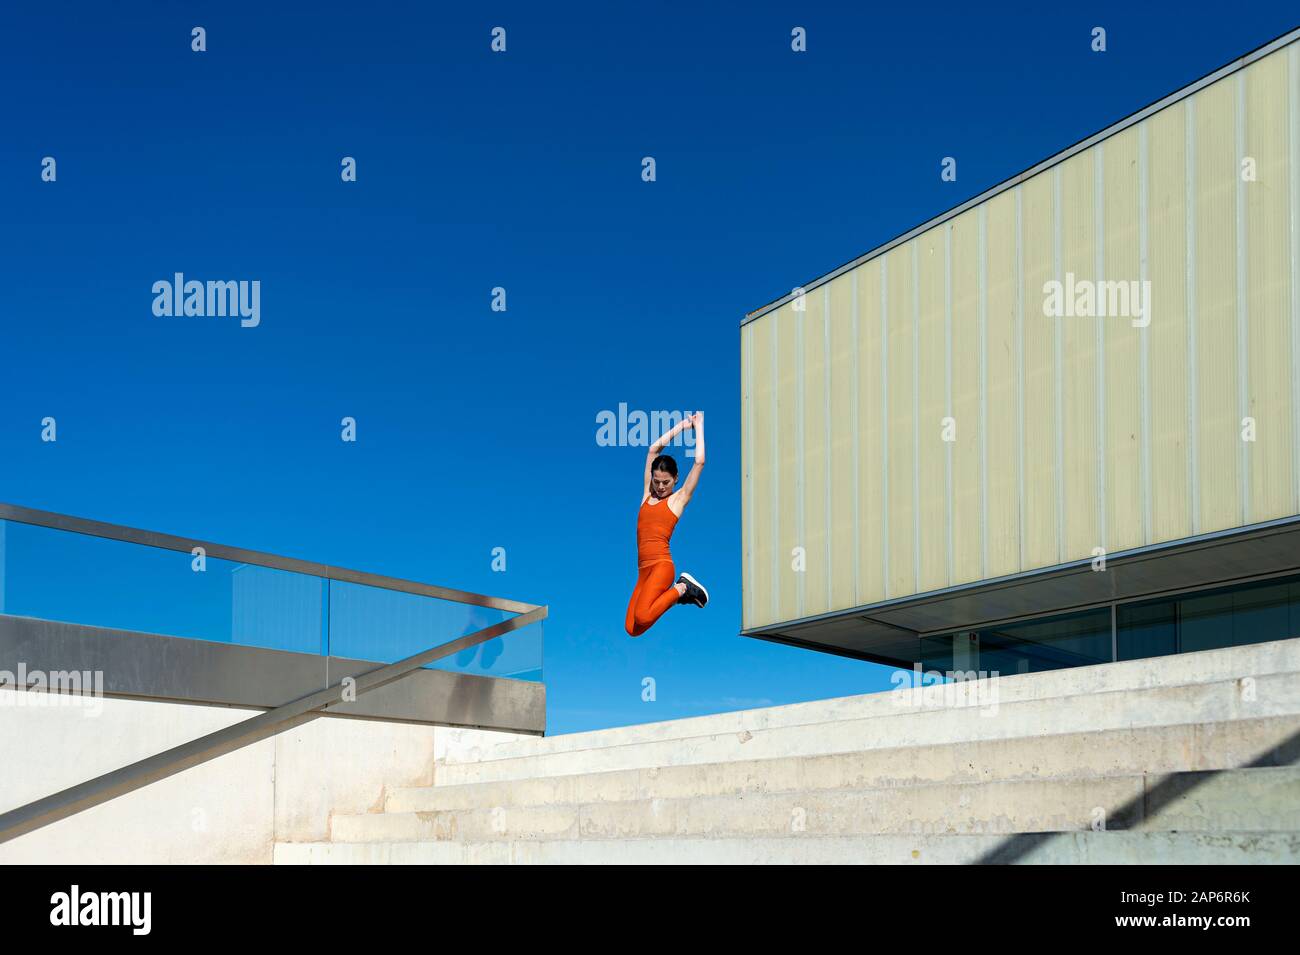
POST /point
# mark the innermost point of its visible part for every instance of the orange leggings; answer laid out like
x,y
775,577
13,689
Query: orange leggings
x,y
654,593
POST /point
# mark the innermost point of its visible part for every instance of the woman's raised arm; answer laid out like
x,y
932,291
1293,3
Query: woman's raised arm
x,y
692,479
659,444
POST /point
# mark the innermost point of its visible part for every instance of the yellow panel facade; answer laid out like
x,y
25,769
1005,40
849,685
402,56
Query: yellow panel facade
x,y
814,579
871,425
1078,334
843,409
746,477
1167,333
1266,186
758,425
900,324
1003,414
787,485
1217,417
1118,428
967,358
1038,358
1124,438
932,398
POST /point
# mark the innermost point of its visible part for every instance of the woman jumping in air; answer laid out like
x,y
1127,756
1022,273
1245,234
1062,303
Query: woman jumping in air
x,y
661,506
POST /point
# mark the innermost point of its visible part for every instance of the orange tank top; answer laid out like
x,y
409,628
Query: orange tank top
x,y
654,527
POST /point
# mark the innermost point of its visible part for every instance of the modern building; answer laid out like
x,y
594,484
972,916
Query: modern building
x,y
1056,425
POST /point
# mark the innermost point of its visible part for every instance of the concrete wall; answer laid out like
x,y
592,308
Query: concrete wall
x,y
1071,433
229,810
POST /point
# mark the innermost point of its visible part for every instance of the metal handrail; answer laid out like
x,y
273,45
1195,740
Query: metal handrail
x,y
60,805
68,802
132,535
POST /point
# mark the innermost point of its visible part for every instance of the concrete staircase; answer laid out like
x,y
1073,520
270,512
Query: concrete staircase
x,y
1192,758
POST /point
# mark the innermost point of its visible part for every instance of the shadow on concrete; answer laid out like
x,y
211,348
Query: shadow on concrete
x,y
1146,806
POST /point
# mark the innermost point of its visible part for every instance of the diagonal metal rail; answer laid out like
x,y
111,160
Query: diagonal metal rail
x,y
128,778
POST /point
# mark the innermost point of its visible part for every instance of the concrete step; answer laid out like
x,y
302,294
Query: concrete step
x,y
1129,751
1065,848
1229,800
1206,666
1256,697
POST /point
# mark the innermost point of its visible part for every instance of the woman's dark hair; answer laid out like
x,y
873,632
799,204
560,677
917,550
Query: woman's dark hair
x,y
664,462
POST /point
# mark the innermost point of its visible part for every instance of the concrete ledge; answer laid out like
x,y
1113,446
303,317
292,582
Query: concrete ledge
x,y
1128,751
1072,848
1266,800
158,667
1206,666
1276,695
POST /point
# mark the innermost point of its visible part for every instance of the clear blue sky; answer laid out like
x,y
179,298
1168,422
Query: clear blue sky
x,y
476,429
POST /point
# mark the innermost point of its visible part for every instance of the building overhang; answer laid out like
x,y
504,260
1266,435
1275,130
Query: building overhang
x,y
890,631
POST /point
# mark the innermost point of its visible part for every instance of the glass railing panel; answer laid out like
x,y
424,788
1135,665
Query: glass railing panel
x,y
97,582
372,623
77,578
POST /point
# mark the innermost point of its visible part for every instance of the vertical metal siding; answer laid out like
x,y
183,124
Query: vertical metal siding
x,y
1123,440
813,455
966,347
1267,274
1218,423
747,529
1077,336
842,480
1005,491
1144,338
786,503
931,395
760,431
799,535
1038,351
1168,242
1293,139
900,570
873,539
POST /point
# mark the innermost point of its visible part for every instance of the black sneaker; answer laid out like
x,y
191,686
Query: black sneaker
x,y
686,597
695,593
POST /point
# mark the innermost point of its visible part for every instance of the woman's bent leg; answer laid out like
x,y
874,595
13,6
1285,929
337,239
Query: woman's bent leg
x,y
655,594
630,624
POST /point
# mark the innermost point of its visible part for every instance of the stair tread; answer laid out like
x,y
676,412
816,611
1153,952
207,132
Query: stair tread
x,y
1219,702
1077,847
741,766
1278,772
1273,657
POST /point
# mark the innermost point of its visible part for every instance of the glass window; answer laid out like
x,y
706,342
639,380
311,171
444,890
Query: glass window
x,y
1205,620
1208,620
1147,630
1049,643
